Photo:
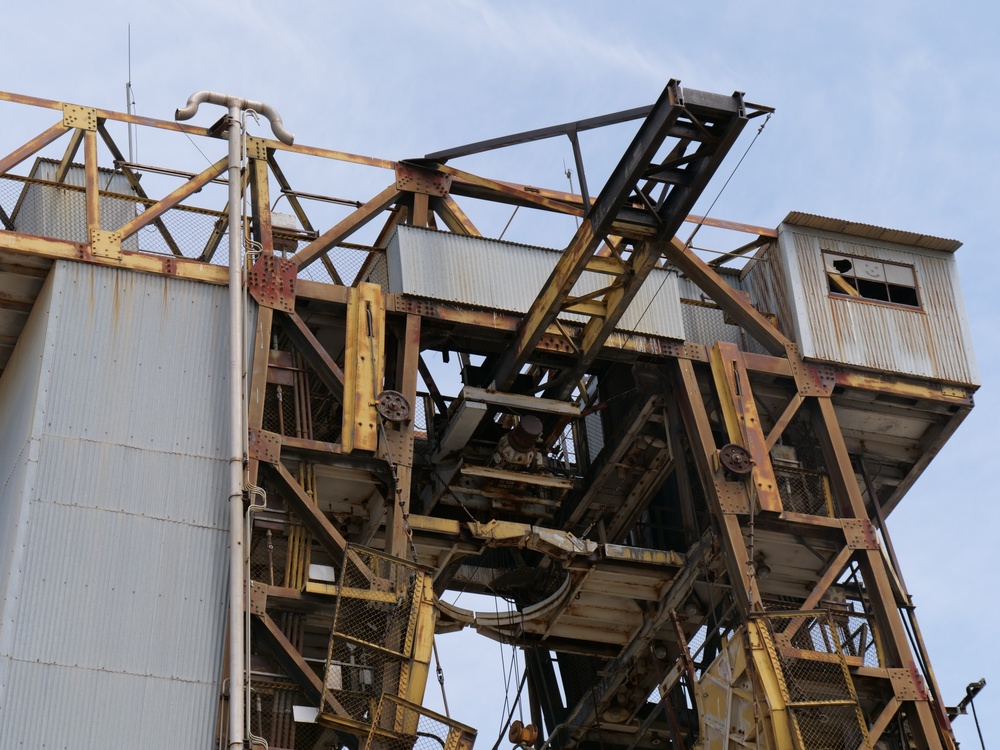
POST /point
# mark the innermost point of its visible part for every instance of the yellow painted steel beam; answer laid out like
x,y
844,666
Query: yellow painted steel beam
x,y
732,384
93,186
401,438
363,367
422,641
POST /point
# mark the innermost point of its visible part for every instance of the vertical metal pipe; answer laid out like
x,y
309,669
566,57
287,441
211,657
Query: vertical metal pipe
x,y
238,695
237,670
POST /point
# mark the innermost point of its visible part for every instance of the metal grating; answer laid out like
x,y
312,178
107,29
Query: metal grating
x,y
815,681
372,638
50,209
272,718
401,725
804,491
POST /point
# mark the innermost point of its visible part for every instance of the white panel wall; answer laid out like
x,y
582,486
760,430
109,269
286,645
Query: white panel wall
x,y
113,619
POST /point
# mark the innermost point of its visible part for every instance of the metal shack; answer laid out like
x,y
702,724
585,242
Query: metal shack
x,y
856,294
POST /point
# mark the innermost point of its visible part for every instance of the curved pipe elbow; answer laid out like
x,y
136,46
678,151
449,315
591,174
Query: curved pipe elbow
x,y
195,100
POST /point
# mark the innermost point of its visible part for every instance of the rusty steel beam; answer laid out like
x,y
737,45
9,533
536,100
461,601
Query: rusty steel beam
x,y
93,197
347,226
261,206
67,160
474,186
399,440
133,181
923,721
189,188
322,530
286,190
315,354
288,656
538,134
454,217
32,147
726,297
727,117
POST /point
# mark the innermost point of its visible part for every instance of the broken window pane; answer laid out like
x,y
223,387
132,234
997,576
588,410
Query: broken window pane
x,y
864,278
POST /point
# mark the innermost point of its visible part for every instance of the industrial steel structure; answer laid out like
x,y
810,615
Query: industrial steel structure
x,y
677,471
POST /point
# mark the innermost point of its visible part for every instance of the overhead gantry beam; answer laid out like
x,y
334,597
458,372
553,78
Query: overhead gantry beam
x,y
662,190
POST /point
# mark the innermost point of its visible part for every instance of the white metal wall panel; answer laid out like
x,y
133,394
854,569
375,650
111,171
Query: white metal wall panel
x,y
18,453
508,277
87,708
113,634
933,342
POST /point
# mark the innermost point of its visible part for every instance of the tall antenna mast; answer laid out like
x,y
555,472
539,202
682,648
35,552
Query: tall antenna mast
x,y
130,99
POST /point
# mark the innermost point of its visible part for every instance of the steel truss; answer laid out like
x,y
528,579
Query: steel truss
x,y
616,566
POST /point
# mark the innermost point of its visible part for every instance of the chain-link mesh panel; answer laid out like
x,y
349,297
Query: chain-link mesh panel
x,y
401,725
372,639
856,633
327,412
10,192
706,323
816,682
377,271
272,718
276,414
50,209
828,727
346,264
804,491
268,554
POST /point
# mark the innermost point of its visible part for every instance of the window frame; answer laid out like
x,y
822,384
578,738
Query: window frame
x,y
835,279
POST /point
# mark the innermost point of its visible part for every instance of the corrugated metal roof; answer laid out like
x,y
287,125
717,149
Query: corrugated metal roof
x,y
507,277
868,231
113,627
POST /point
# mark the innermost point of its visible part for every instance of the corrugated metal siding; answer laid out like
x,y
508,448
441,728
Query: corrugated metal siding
x,y
508,277
764,281
114,635
934,343
61,708
19,417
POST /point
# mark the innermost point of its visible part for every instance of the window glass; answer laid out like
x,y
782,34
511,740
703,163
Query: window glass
x,y
865,278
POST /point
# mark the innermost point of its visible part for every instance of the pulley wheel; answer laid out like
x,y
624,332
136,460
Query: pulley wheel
x,y
736,458
393,406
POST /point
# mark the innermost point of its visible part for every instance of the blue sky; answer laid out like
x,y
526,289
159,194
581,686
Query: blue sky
x,y
885,115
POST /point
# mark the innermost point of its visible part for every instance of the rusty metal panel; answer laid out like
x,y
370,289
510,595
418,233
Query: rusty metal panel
x,y
115,603
507,277
931,342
